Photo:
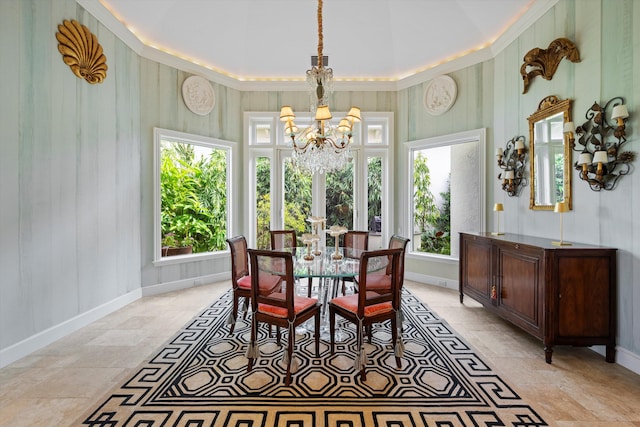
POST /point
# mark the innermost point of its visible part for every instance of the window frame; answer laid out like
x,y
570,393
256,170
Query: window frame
x,y
231,149
360,148
411,147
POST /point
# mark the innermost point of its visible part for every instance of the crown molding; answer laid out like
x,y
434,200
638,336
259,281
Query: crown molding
x,y
102,14
537,9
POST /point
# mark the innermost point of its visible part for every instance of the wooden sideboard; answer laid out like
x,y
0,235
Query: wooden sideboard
x,y
563,295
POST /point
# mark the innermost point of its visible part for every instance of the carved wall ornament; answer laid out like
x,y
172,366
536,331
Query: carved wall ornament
x,y
81,51
440,95
544,62
198,95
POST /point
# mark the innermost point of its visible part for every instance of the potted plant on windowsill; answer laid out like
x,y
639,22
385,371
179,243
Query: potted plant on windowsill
x,y
173,244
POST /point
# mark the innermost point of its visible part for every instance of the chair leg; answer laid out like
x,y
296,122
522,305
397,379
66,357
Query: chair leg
x,y
254,326
246,307
317,325
332,327
394,337
360,343
291,341
309,287
234,313
277,335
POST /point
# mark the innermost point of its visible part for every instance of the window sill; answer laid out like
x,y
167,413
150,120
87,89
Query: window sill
x,y
182,259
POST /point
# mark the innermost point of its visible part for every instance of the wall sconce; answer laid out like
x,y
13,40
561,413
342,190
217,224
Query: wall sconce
x,y
512,160
498,208
601,163
561,208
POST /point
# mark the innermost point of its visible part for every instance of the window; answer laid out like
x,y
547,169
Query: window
x,y
192,206
446,182
357,197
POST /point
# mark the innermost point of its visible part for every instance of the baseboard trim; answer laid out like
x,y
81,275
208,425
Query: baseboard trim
x,y
431,280
177,285
42,339
624,357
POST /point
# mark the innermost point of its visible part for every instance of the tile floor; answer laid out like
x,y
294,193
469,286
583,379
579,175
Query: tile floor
x,y
55,385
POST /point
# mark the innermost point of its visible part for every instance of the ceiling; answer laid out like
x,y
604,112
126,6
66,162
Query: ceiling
x,y
379,40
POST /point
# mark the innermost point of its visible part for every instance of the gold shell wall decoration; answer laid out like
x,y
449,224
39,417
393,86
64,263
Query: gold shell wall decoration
x,y
81,51
544,62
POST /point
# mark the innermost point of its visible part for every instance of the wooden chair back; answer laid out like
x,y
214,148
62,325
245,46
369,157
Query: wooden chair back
x,y
367,269
355,242
239,258
272,263
283,239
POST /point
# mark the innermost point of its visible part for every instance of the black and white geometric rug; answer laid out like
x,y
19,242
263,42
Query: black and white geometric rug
x,y
200,378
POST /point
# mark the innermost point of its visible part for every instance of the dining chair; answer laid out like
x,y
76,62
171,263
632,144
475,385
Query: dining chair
x,y
283,239
381,281
367,307
241,279
282,309
354,243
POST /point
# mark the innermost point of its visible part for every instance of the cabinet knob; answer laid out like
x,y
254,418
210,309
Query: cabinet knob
x,y
517,246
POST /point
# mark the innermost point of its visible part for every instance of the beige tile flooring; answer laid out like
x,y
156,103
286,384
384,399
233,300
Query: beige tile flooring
x,y
53,386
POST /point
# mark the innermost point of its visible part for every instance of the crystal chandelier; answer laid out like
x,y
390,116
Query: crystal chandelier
x,y
321,147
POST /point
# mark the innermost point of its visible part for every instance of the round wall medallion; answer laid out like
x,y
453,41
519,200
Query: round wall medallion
x,y
440,95
198,95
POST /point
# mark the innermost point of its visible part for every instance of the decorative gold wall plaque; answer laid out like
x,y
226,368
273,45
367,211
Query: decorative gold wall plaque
x,y
81,51
544,62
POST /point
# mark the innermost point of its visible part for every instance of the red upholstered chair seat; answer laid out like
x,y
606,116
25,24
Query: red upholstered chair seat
x,y
268,283
350,303
300,304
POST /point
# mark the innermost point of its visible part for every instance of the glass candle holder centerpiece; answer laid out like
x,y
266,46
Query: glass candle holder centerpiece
x,y
335,231
308,239
316,224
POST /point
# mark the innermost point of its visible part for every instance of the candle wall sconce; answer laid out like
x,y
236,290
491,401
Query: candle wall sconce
x,y
601,162
512,160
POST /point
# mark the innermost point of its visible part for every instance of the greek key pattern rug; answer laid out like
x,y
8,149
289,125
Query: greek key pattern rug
x,y
200,379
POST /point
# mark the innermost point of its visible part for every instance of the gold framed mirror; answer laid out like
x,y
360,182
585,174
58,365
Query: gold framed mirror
x,y
550,154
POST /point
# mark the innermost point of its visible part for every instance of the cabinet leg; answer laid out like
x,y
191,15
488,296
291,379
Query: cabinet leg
x,y
461,297
548,351
611,354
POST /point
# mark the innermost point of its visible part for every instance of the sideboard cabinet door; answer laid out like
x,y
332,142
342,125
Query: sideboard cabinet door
x,y
585,299
478,271
520,285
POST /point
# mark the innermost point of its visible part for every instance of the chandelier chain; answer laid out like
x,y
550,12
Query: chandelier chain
x,y
320,39
321,147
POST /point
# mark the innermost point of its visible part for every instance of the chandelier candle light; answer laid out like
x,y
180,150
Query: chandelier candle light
x,y
321,147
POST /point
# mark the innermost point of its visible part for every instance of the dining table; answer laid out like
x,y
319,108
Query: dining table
x,y
322,265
